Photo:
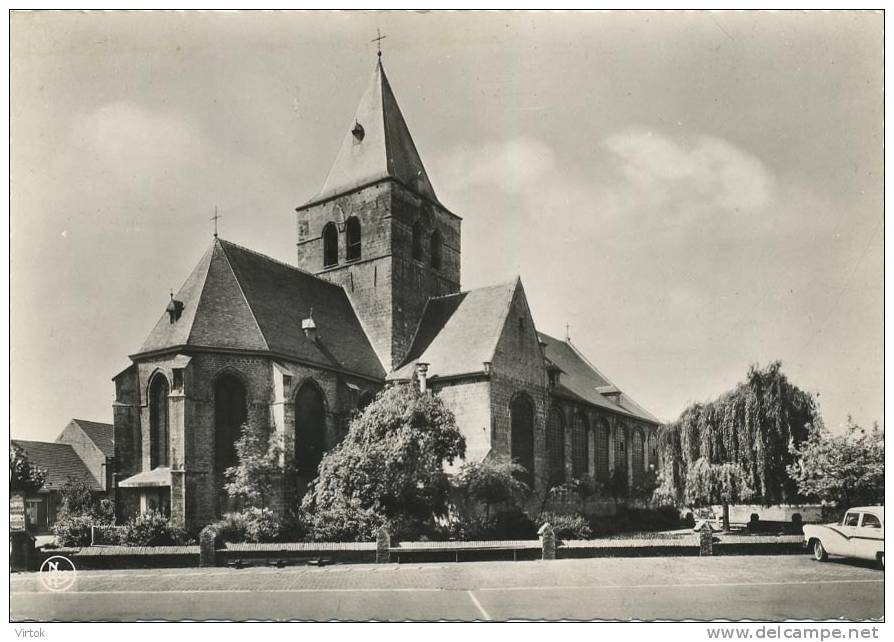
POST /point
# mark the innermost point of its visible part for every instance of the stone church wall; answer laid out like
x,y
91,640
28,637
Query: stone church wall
x,y
388,287
470,402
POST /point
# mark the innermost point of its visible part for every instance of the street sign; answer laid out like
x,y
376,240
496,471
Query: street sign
x,y
17,519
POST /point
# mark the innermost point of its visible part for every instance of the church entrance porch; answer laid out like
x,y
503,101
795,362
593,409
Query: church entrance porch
x,y
150,490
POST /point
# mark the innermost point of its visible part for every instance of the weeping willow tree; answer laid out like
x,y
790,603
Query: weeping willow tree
x,y
751,426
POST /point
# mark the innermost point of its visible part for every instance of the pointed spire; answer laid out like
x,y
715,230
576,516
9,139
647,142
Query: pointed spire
x,y
377,146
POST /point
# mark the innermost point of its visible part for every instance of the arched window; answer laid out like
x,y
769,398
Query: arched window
x,y
159,441
579,446
603,443
230,412
637,459
436,250
310,430
521,412
352,232
653,450
330,245
621,448
417,240
555,446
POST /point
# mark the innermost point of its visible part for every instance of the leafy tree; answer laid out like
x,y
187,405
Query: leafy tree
x,y
388,469
751,425
254,479
488,497
79,510
846,469
491,482
23,476
708,484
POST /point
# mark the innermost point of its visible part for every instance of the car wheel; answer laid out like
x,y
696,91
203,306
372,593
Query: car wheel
x,y
819,553
881,560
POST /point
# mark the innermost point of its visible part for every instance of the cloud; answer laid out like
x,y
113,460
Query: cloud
x,y
711,171
125,140
510,165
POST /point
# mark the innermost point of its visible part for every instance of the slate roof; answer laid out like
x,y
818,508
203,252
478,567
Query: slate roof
x,y
237,298
385,148
459,332
579,380
60,461
99,433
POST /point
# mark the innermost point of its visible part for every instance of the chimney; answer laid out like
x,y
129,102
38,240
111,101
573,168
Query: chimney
x,y
422,375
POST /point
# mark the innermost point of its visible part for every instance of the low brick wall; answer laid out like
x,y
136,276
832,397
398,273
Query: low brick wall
x,y
121,557
108,557
296,552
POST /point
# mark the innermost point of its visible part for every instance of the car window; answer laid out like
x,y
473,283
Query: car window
x,y
851,519
871,521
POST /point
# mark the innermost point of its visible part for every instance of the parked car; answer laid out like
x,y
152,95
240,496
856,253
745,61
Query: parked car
x,y
860,535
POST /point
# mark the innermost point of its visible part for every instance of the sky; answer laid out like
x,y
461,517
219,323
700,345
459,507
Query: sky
x,y
691,193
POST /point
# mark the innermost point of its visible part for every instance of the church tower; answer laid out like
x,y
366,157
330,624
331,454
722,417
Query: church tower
x,y
377,228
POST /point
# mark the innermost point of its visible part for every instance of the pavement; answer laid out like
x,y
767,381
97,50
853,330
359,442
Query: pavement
x,y
734,587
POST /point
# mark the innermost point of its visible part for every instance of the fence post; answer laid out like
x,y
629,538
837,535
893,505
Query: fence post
x,y
548,541
207,546
383,546
706,540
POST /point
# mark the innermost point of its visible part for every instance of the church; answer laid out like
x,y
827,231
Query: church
x,y
373,298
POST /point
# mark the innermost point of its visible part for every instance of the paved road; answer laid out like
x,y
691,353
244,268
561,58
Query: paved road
x,y
765,588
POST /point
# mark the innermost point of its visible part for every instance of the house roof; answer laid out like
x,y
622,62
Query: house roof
x,y
239,299
459,332
99,433
580,380
60,461
377,145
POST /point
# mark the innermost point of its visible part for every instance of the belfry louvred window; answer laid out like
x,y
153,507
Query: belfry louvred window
x,y
352,234
330,245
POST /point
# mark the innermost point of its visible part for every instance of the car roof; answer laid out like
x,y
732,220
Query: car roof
x,y
878,510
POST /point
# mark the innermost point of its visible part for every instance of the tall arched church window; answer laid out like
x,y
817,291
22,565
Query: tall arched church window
x,y
352,233
310,430
159,440
230,412
603,443
637,459
417,240
621,448
579,446
555,446
330,245
521,412
436,244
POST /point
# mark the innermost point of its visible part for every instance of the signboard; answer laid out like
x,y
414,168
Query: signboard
x,y
17,519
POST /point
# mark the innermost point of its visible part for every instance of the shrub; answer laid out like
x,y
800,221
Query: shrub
x,y
73,530
506,524
566,526
253,525
388,468
347,523
152,528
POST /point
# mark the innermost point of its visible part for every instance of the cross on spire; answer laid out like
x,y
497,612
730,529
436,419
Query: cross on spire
x,y
378,41
215,218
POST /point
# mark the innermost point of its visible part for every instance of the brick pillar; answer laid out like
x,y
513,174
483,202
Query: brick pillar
x,y
548,541
706,540
383,546
207,546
